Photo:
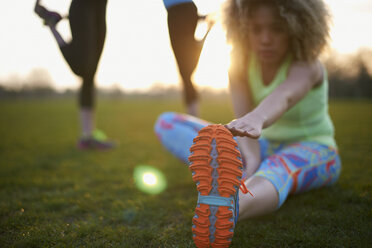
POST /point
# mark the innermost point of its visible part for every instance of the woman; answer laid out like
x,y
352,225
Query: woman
x,y
285,137
88,29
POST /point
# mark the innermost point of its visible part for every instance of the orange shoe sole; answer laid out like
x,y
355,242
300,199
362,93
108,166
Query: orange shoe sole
x,y
216,166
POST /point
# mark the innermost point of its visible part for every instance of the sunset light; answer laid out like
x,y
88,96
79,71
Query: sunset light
x,y
137,52
350,20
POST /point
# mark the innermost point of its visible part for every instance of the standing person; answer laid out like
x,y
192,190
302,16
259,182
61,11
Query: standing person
x,y
182,21
88,29
284,137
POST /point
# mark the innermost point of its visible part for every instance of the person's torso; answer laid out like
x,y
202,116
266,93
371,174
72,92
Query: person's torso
x,y
308,120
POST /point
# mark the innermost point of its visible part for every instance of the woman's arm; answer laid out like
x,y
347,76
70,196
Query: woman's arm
x,y
301,79
242,104
238,86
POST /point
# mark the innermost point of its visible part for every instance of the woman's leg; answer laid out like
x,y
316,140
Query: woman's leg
x,y
88,37
88,29
182,21
92,138
295,168
177,131
83,52
80,55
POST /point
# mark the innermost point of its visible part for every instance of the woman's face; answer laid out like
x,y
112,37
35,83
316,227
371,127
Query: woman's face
x,y
268,35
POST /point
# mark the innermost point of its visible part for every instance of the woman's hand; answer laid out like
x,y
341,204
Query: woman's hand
x,y
249,125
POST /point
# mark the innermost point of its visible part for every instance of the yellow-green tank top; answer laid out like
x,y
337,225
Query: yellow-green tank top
x,y
308,120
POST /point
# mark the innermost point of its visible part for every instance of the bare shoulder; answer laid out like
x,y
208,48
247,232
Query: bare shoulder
x,y
311,72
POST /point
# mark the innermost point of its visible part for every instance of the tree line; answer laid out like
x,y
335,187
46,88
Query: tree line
x,y
349,77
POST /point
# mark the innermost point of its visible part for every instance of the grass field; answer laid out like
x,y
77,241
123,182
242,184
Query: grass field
x,y
52,195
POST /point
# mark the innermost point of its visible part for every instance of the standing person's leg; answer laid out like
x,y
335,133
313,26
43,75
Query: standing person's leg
x,y
100,9
296,168
182,21
80,54
91,41
88,29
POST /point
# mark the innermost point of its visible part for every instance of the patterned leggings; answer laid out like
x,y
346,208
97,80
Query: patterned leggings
x,y
290,167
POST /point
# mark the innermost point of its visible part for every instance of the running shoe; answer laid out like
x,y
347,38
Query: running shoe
x,y
98,141
50,18
216,167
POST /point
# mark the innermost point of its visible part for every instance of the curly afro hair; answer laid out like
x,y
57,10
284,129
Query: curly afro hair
x,y
307,22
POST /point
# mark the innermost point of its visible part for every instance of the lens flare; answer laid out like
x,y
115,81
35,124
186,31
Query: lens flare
x,y
149,179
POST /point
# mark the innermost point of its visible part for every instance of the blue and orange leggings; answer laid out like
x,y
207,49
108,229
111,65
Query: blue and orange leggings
x,y
290,167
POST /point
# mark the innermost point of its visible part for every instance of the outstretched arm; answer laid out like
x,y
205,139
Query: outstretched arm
x,y
242,104
301,79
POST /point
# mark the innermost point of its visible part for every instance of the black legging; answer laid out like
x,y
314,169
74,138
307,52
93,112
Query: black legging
x,y
182,21
88,30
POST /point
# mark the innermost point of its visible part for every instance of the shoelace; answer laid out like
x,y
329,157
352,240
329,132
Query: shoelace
x,y
244,189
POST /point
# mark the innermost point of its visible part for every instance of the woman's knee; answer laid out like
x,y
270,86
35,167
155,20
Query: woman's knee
x,y
164,121
174,135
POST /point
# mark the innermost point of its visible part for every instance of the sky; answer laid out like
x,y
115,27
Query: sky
x,y
137,52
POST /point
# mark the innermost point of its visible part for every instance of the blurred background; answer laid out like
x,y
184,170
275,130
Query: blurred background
x,y
54,195
137,56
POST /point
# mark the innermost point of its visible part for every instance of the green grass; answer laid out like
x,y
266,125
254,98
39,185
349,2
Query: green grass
x,y
51,194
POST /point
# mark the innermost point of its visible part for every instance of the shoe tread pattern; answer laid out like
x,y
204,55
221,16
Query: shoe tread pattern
x,y
216,166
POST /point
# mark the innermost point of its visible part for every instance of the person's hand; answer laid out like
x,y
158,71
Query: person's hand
x,y
249,125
